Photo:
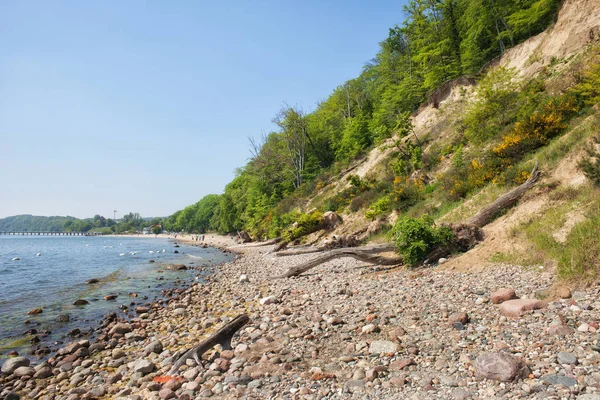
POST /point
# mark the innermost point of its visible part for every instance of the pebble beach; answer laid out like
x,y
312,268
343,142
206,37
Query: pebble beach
x,y
344,330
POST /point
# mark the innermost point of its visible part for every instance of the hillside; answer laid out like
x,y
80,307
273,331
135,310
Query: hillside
x,y
404,142
32,223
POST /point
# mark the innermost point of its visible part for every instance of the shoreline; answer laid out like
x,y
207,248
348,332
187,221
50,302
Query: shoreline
x,y
40,337
345,330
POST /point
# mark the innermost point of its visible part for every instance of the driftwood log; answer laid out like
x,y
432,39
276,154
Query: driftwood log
x,y
487,214
222,336
367,254
265,243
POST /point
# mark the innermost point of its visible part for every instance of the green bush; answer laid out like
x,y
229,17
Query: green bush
x,y
380,207
415,238
305,224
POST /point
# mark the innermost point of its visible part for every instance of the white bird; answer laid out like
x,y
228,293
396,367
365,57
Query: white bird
x,y
164,250
16,259
151,252
38,254
121,255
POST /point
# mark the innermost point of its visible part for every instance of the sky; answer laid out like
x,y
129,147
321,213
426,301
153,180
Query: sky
x,y
147,106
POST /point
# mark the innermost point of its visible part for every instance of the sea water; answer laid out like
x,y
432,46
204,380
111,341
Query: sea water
x,y
52,270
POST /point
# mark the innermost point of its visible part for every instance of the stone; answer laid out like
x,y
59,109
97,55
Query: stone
x,y
268,300
383,346
120,328
154,347
335,320
460,317
243,279
24,371
566,358
560,380
90,281
110,297
358,383
461,394
12,364
143,366
502,295
516,308
35,311
166,393
80,302
370,328
117,353
43,373
501,367
560,330
402,363
63,318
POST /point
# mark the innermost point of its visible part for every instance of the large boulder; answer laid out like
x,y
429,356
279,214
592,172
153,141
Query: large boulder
x,y
143,366
516,308
12,364
500,367
121,329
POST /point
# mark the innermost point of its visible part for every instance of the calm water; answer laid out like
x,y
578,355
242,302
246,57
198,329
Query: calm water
x,y
56,278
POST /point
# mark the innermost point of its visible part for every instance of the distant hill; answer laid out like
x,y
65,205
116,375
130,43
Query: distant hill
x,y
33,223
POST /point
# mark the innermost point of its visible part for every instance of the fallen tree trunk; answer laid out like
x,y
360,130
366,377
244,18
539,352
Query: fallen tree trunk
x,y
362,254
265,243
222,336
375,249
487,214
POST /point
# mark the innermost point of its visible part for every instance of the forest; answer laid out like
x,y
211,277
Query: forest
x,y
439,40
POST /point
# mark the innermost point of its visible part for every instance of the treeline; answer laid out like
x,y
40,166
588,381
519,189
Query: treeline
x,y
440,40
130,223
32,223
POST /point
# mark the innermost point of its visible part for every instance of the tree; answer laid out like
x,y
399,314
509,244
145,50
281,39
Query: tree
x,y
156,229
292,123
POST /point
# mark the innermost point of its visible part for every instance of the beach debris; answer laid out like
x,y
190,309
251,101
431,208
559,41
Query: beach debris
x,y
222,336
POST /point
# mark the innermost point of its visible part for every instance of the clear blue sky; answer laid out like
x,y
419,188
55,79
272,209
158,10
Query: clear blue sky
x,y
146,106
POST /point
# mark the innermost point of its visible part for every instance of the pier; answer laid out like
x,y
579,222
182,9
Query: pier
x,y
50,233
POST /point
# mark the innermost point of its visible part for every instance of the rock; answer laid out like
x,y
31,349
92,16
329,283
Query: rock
x,y
80,302
97,391
461,394
166,393
516,308
370,328
337,320
355,383
35,311
43,373
500,366
402,363
560,330
110,297
331,219
176,267
117,353
563,292
143,366
442,260
12,395
560,380
120,328
62,318
383,346
460,317
24,371
142,309
12,364
243,279
566,358
93,280
268,300
502,295
154,347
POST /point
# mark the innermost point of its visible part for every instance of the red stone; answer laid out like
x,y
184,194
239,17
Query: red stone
x,y
516,308
502,295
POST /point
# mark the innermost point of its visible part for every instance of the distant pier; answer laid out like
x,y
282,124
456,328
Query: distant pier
x,y
50,233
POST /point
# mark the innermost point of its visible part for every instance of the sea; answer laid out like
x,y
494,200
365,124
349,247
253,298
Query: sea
x,y
49,272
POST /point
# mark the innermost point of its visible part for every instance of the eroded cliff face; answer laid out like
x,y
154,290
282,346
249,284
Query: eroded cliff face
x,y
577,26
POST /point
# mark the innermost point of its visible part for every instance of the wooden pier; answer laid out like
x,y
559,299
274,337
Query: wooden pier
x,y
50,233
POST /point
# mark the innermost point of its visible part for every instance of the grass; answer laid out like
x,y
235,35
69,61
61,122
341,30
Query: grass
x,y
578,258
